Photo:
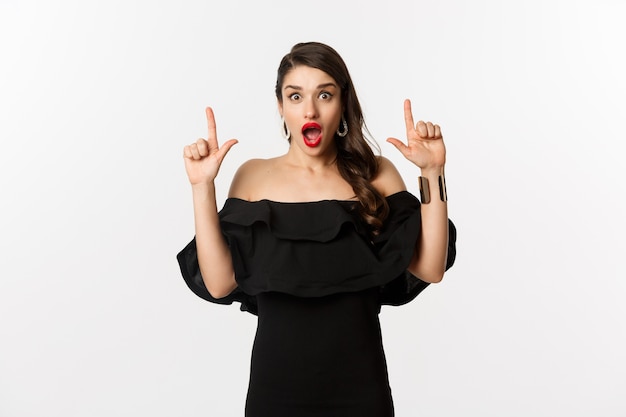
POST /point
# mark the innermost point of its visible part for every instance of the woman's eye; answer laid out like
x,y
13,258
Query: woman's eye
x,y
295,96
325,95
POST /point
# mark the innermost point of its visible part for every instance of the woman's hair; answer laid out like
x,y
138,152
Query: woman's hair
x,y
356,161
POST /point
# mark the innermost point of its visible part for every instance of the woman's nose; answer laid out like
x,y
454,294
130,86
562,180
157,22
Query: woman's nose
x,y
310,110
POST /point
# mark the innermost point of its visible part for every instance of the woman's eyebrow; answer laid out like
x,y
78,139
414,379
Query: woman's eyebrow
x,y
327,85
297,87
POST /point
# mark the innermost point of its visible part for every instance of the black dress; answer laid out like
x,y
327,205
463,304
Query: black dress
x,y
317,280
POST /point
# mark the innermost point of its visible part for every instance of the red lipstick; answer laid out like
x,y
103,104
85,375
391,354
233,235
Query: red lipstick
x,y
312,134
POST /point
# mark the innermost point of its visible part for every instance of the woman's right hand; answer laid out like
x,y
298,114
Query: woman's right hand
x,y
204,157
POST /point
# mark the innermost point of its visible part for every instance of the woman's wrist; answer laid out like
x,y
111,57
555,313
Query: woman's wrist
x,y
203,187
432,172
203,193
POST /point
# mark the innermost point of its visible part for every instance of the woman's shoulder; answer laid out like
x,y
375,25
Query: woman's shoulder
x,y
253,166
254,175
388,180
249,176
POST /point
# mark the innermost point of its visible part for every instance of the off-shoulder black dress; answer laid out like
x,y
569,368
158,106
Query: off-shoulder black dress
x,y
317,280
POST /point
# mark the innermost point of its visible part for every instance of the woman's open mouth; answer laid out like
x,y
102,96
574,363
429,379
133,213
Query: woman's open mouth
x,y
312,134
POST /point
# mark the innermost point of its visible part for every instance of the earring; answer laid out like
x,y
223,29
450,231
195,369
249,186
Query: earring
x,y
286,132
344,124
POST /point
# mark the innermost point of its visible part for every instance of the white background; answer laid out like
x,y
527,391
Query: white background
x,y
97,100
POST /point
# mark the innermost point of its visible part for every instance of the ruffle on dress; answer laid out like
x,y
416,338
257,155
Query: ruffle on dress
x,y
314,249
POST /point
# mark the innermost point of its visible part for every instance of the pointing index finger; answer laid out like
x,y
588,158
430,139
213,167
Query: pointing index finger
x,y
212,130
408,117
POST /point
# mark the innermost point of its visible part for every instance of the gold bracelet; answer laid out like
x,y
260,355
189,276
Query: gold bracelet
x,y
443,193
425,189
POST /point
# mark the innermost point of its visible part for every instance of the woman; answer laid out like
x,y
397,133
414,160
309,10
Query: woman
x,y
316,240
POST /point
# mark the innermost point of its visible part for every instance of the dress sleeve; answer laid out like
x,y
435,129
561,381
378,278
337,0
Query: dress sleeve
x,y
400,236
190,270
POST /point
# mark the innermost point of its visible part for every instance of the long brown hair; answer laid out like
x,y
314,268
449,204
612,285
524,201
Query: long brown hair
x,y
356,161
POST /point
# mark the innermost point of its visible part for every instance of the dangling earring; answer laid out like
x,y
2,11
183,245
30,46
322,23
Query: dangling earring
x,y
344,124
286,132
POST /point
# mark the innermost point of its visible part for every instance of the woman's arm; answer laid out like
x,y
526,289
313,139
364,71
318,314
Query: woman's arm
x,y
202,162
429,260
214,256
425,148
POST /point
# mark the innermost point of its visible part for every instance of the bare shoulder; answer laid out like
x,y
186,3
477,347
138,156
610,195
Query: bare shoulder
x,y
388,180
247,177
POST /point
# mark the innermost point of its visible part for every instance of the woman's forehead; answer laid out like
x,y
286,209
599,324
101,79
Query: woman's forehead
x,y
307,77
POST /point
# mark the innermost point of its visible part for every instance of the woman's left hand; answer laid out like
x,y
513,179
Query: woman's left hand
x,y
424,147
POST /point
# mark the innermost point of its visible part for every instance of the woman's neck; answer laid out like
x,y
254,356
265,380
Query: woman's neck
x,y
314,163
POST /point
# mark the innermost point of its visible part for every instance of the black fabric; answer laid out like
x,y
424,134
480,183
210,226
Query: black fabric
x,y
315,249
317,281
319,357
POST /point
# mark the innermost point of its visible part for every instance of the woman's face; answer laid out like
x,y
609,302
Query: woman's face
x,y
311,106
